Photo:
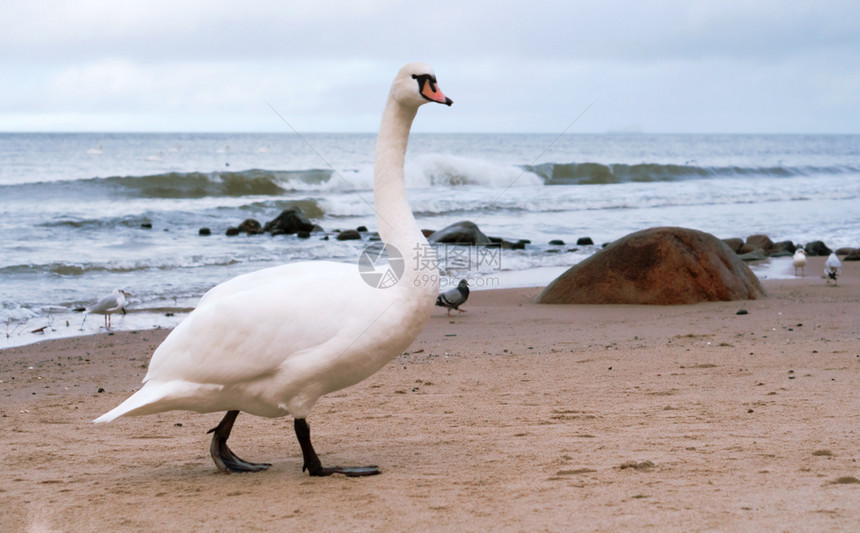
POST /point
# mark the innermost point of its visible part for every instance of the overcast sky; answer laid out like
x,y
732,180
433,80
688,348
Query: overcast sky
x,y
736,66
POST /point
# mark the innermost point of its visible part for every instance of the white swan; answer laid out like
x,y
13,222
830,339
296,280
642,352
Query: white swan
x,y
249,346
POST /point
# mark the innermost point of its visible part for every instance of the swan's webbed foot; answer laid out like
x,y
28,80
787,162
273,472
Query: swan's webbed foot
x,y
314,466
224,458
348,471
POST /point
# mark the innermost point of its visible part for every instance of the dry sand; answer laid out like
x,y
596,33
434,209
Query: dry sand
x,y
510,417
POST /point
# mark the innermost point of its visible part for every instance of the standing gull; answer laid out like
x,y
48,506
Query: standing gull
x,y
454,298
272,342
832,268
112,303
799,260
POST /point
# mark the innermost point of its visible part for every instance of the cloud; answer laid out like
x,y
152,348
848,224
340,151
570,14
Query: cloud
x,y
658,65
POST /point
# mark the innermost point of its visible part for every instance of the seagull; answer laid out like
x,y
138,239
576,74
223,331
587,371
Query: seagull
x,y
832,268
454,298
273,342
113,302
799,260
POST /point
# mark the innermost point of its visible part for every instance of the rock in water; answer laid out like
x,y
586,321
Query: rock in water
x,y
290,221
658,266
817,248
757,242
465,232
250,226
349,235
734,243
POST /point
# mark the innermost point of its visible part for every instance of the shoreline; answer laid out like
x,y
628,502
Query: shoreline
x,y
67,325
512,416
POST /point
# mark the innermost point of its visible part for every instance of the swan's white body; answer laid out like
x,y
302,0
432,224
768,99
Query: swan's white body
x,y
799,260
272,342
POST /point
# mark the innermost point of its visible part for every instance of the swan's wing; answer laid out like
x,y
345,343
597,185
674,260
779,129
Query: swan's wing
x,y
254,325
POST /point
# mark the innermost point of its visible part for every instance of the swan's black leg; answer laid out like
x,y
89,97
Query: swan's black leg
x,y
312,462
226,460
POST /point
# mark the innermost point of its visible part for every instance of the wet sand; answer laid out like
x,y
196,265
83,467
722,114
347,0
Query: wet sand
x,y
510,417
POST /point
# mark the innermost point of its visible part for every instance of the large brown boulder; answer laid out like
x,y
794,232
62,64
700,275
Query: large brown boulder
x,y
659,266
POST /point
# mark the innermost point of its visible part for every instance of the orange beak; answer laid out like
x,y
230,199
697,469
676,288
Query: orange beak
x,y
432,93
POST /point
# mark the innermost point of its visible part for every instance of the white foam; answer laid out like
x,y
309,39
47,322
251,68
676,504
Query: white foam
x,y
431,170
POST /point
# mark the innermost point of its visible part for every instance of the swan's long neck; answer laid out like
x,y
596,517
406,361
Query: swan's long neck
x,y
397,225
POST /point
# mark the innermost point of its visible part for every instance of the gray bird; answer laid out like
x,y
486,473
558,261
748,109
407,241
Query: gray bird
x,y
454,298
832,268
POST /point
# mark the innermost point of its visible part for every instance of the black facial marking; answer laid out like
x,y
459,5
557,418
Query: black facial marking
x,y
425,78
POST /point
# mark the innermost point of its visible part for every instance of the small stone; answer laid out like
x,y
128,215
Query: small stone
x,y
742,312
101,390
349,235
250,226
204,231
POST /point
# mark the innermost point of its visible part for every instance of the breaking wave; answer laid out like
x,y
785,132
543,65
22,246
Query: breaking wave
x,y
421,172
602,174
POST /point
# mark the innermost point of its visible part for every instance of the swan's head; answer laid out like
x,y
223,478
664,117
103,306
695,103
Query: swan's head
x,y
415,84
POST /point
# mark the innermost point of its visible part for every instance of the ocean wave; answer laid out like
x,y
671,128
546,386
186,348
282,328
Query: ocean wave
x,y
433,170
62,268
180,185
254,182
605,174
421,172
97,223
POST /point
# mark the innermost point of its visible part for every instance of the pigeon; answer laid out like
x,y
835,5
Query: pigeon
x,y
799,260
454,298
832,268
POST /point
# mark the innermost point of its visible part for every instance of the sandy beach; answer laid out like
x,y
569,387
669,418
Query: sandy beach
x,y
512,416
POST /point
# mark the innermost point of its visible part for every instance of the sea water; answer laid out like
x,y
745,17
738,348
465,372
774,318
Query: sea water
x,y
82,214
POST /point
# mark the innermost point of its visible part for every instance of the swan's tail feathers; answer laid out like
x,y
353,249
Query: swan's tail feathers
x,y
154,397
